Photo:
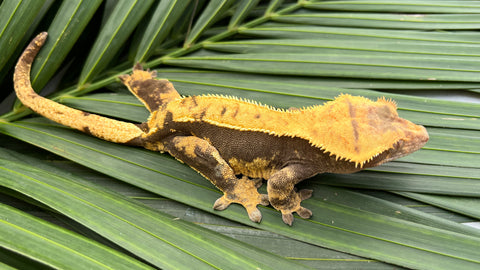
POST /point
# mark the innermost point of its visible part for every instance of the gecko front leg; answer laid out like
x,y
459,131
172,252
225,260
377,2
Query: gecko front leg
x,y
282,194
204,158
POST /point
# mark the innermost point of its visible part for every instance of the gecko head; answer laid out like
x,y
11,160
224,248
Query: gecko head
x,y
401,137
364,132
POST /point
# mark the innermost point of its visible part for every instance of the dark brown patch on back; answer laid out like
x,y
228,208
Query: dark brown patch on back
x,y
145,90
224,110
235,113
153,93
194,99
202,114
351,110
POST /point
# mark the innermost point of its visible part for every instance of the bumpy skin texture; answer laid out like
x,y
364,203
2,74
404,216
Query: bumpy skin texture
x,y
236,143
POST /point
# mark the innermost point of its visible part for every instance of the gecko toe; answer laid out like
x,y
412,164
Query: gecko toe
x,y
221,203
287,218
255,215
292,206
304,212
251,206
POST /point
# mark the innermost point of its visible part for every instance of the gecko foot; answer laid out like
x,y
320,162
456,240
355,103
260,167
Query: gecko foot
x,y
287,214
245,193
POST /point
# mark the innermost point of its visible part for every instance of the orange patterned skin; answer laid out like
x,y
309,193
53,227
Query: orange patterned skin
x,y
236,143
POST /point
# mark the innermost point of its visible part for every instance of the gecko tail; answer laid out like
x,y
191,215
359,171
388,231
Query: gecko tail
x,y
98,126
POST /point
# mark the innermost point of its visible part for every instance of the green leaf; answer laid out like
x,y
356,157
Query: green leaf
x,y
214,10
277,30
273,6
382,20
415,6
51,245
120,24
21,14
386,47
368,203
165,16
414,183
463,205
340,65
241,12
71,18
120,105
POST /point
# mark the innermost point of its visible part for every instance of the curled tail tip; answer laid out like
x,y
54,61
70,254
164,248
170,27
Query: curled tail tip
x,y
28,55
37,42
21,77
39,39
42,35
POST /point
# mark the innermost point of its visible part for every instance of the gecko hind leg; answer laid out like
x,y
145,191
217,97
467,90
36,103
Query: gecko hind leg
x,y
204,158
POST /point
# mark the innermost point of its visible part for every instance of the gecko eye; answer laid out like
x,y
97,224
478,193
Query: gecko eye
x,y
399,144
